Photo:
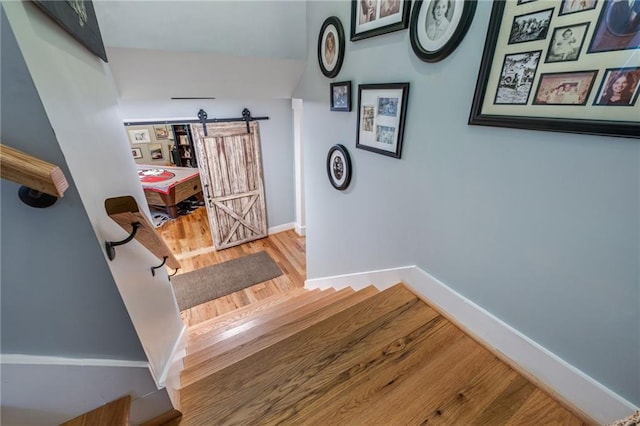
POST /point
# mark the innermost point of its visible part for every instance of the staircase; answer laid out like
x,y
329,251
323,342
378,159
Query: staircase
x,y
342,357
350,357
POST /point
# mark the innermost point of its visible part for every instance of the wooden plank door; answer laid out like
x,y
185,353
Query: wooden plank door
x,y
230,165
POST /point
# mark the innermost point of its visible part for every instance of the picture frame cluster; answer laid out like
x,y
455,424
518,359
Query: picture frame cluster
x,y
568,66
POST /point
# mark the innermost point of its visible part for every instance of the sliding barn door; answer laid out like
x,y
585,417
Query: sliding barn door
x,y
231,172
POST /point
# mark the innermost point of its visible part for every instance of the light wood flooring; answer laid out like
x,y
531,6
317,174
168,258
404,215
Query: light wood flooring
x,y
337,357
189,239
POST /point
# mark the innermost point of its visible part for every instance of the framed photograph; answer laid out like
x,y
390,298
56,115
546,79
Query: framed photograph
x,y
161,132
341,96
339,167
618,27
137,152
381,117
574,6
139,136
155,151
370,18
566,43
78,18
543,72
331,47
438,26
619,87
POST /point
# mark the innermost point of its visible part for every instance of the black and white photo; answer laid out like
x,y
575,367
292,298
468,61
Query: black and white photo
x,y
530,27
438,26
516,78
566,43
339,167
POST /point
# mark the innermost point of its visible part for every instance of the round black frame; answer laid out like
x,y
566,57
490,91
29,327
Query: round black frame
x,y
340,44
347,167
468,11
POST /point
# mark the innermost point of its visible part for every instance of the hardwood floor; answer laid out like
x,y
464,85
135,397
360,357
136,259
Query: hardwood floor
x,y
336,357
189,239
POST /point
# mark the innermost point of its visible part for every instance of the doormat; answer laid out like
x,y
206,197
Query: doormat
x,y
202,285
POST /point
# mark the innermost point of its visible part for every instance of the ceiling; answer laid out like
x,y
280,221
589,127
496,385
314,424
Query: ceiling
x,y
162,49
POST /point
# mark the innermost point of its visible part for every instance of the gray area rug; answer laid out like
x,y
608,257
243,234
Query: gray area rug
x,y
202,285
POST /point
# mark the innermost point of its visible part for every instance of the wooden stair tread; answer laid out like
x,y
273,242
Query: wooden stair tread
x,y
243,325
281,332
268,328
115,413
210,325
284,359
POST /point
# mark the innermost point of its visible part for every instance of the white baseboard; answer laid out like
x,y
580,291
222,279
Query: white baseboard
x,y
19,359
281,228
381,279
576,389
301,230
177,350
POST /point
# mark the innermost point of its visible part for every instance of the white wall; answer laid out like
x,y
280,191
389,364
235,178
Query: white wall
x,y
538,228
276,136
80,101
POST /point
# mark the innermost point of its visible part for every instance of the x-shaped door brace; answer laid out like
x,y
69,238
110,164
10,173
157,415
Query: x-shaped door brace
x,y
238,217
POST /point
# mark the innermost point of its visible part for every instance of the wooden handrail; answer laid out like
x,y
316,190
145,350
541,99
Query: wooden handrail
x,y
125,212
27,170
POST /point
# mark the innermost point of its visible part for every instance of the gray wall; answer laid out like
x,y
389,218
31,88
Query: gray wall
x,y
276,137
541,229
58,297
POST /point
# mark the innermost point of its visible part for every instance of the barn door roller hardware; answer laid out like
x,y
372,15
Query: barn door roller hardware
x,y
246,117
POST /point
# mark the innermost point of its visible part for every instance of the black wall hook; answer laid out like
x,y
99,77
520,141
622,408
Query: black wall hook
x,y
153,268
111,245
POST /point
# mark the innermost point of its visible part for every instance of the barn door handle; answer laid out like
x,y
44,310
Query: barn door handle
x,y
206,190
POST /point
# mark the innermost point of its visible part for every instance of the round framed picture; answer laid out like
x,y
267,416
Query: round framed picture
x,y
331,47
438,26
339,167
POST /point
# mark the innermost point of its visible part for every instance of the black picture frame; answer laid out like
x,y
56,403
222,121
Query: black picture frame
x,y
375,17
512,78
78,18
340,95
434,39
382,112
331,47
339,167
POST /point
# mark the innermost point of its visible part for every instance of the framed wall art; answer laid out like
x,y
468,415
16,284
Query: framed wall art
x,y
370,18
438,26
137,152
339,167
572,67
139,136
155,150
341,96
78,18
331,47
381,117
161,132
